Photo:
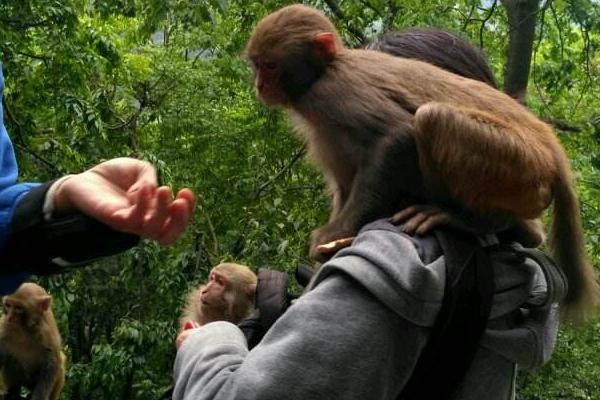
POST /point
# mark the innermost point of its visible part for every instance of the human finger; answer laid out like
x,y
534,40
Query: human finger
x,y
157,213
188,195
180,213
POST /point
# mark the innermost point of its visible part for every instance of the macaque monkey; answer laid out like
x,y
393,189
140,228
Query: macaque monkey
x,y
30,345
390,132
227,296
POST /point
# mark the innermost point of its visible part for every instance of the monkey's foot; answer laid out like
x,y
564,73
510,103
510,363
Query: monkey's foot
x,y
420,219
327,240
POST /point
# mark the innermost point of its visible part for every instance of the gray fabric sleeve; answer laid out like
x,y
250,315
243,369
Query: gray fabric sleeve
x,y
335,342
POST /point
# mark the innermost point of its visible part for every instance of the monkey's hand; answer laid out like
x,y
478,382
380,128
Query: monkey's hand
x,y
422,218
188,328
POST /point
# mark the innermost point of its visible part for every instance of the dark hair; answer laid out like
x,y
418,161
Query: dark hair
x,y
444,49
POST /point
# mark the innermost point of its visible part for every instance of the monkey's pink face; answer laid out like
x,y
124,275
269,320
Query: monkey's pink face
x,y
215,288
267,74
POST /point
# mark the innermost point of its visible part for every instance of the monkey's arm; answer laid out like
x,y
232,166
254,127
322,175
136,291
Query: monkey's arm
x,y
388,181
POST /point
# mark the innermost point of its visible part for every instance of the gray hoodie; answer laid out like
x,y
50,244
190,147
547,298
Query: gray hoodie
x,y
359,329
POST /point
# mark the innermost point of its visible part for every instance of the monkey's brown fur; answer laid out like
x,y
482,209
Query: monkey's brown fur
x,y
237,301
30,344
476,145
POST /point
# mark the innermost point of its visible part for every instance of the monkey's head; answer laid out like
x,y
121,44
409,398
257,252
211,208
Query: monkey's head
x,y
26,307
229,293
289,50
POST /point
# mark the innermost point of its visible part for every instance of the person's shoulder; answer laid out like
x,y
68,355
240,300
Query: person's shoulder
x,y
405,273
384,233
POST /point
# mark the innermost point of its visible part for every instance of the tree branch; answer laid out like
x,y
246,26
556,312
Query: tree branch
x,y
23,24
485,20
370,6
563,125
339,14
34,56
542,25
21,144
468,17
286,168
39,158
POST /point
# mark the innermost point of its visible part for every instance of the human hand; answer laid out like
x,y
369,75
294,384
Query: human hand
x,y
123,193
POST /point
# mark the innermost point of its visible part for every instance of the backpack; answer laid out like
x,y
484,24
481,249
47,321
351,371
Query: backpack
x,y
272,299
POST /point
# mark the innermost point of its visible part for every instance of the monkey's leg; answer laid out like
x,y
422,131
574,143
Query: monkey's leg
x,y
60,379
46,379
486,164
390,180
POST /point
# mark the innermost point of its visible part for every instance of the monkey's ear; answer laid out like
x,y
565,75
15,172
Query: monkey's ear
x,y
324,46
44,303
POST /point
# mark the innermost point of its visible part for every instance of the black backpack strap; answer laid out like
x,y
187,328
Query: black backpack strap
x,y
461,322
272,300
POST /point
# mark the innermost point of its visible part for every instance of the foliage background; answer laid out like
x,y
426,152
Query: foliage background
x,y
163,80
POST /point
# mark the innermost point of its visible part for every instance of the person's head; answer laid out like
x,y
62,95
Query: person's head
x,y
438,47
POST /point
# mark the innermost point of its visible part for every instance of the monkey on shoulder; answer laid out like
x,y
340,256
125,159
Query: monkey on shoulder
x,y
390,132
30,345
227,296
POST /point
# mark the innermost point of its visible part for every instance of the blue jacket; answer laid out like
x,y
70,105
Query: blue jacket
x,y
10,193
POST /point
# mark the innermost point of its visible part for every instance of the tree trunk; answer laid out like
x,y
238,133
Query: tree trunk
x,y
522,16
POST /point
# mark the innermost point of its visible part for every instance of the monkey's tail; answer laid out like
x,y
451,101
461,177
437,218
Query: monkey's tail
x,y
567,242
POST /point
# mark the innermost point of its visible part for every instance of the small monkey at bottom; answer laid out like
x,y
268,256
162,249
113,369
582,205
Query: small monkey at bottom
x,y
30,345
227,296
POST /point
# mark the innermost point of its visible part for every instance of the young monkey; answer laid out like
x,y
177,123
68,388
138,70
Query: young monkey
x,y
227,296
391,132
30,345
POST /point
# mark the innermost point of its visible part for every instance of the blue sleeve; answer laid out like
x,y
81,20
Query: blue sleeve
x,y
10,192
